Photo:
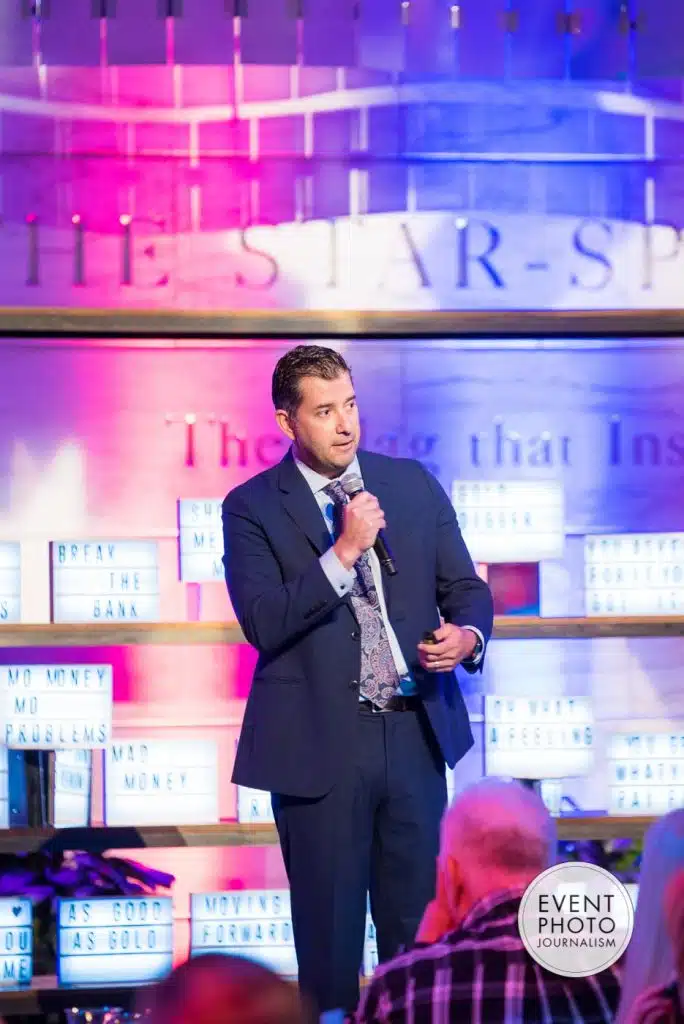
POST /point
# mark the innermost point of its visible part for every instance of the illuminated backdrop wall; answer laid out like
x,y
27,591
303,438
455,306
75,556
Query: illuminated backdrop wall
x,y
419,161
423,155
101,440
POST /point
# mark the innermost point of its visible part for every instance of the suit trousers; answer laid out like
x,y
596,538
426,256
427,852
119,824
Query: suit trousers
x,y
376,832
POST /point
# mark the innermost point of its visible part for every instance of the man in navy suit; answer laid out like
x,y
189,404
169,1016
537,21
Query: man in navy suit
x,y
351,717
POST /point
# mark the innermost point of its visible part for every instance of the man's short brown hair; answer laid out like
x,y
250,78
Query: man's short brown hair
x,y
303,361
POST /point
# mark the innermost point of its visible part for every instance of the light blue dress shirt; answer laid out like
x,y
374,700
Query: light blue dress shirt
x,y
342,579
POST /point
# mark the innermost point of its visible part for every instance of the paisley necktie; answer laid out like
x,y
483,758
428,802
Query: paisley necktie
x,y
379,677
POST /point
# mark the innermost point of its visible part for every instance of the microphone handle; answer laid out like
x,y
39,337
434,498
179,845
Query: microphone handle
x,y
384,554
380,547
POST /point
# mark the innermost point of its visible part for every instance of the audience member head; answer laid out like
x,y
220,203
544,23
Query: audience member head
x,y
216,989
495,835
650,960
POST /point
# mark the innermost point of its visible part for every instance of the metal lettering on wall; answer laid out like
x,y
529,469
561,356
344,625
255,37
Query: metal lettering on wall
x,y
390,261
604,423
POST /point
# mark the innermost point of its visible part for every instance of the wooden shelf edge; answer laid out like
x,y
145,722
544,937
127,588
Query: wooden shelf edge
x,y
134,837
512,627
121,634
220,633
223,325
604,827
233,834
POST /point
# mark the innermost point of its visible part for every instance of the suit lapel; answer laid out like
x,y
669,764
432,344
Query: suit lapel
x,y
301,505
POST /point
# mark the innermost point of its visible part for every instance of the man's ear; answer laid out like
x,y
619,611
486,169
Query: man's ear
x,y
454,884
285,423
452,870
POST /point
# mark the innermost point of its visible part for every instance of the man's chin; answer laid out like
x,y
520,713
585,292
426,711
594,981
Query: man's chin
x,y
342,458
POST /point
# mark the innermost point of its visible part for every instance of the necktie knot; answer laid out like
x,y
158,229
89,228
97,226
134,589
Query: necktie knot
x,y
336,492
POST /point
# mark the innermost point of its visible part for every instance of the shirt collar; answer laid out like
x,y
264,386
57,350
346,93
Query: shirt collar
x,y
490,903
316,481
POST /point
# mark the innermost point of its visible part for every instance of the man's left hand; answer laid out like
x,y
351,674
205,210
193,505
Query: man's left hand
x,y
454,645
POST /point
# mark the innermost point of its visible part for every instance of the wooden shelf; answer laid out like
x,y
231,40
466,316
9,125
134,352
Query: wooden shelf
x,y
121,634
603,826
222,326
44,996
512,627
99,839
232,834
199,633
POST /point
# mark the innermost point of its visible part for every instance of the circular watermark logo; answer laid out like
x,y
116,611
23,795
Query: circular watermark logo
x,y
576,919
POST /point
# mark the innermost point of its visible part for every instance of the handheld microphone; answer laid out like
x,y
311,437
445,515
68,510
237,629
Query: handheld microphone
x,y
353,485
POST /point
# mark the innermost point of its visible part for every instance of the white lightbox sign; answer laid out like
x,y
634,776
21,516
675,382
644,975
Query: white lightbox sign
x,y
534,738
72,788
105,581
10,582
510,521
201,540
114,941
645,772
254,923
161,782
634,574
16,942
51,706
254,807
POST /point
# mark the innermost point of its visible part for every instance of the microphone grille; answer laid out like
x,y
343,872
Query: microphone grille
x,y
352,484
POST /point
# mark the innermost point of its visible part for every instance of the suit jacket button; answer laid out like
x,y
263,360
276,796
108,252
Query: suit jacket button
x,y
354,684
356,635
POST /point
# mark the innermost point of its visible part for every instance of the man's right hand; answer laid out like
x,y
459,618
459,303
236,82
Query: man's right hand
x,y
361,522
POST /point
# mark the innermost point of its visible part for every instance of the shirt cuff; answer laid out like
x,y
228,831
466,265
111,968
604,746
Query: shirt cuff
x,y
339,578
475,661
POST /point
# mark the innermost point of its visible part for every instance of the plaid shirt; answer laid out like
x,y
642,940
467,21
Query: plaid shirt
x,y
482,974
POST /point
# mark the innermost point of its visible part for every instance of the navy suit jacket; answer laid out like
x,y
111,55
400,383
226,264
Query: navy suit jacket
x,y
300,721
